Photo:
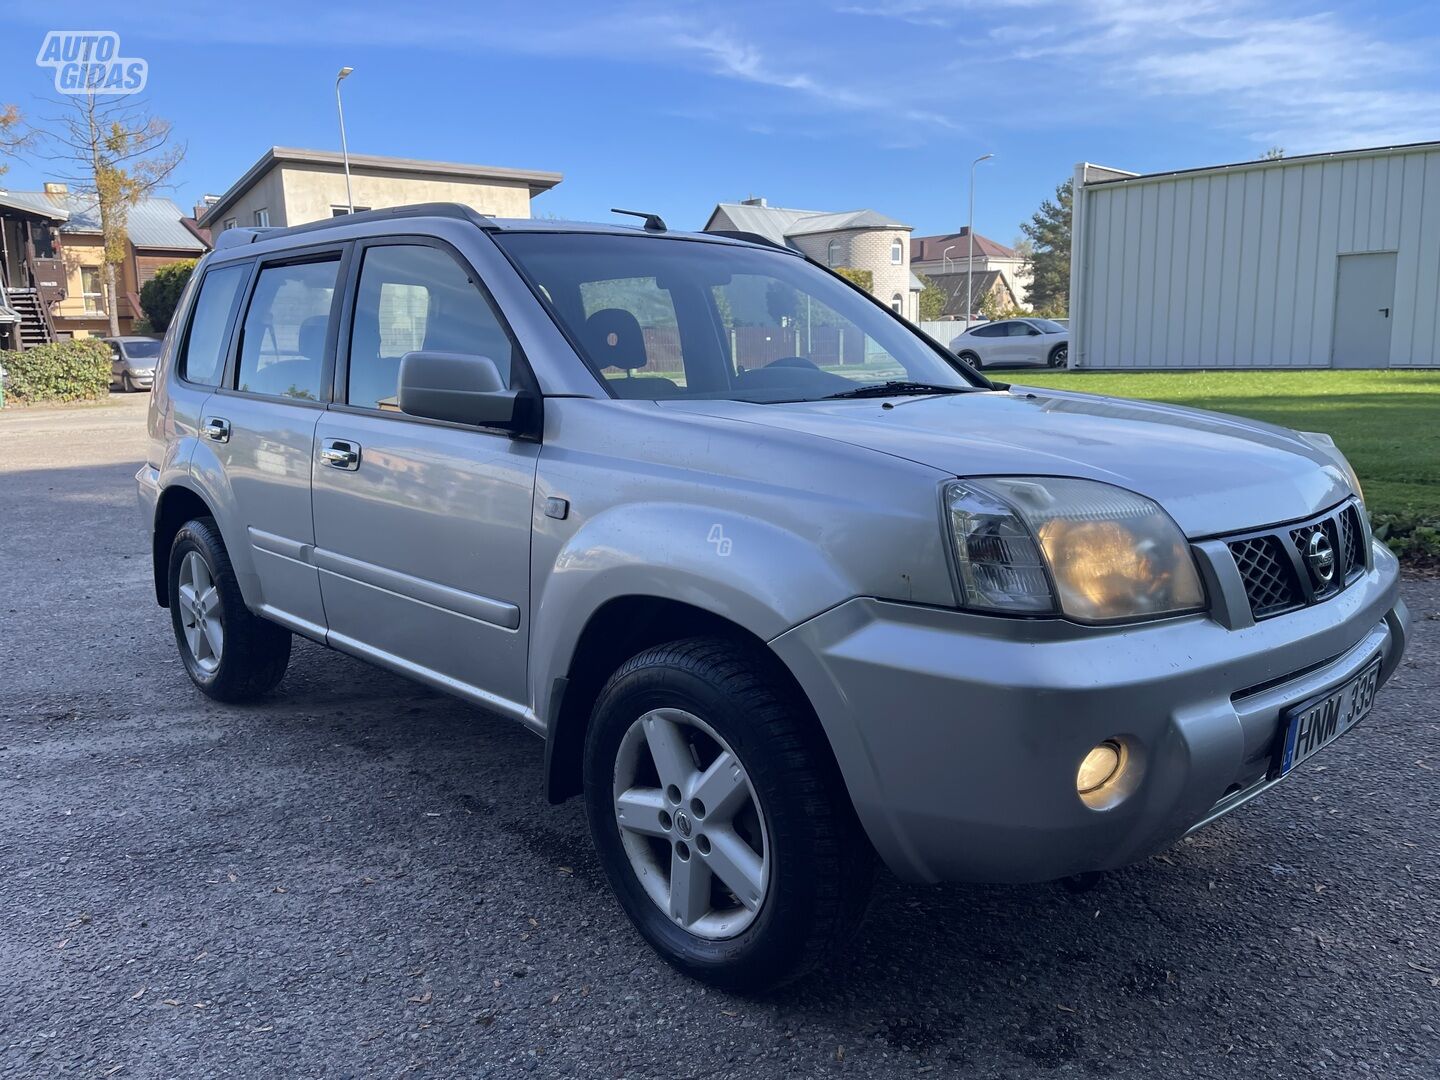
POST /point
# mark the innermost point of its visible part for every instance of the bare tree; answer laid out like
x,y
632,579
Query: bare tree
x,y
119,153
14,135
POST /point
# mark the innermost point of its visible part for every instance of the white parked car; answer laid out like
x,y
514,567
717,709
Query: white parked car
x,y
1014,342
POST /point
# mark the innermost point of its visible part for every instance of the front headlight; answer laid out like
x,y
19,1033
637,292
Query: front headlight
x,y
1326,445
1087,550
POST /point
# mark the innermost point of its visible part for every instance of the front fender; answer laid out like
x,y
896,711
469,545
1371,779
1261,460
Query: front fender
x,y
743,569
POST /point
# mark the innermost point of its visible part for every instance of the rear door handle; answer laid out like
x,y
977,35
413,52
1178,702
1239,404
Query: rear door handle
x,y
1385,311
216,429
340,454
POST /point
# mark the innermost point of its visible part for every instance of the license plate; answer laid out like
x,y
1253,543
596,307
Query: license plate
x,y
1317,723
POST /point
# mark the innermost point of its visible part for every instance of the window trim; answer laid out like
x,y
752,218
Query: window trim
x,y
897,252
183,350
522,375
832,250
263,212
314,253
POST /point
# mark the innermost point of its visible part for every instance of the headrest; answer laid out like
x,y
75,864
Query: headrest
x,y
310,341
615,340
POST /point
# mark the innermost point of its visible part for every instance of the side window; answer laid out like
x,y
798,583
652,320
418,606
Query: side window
x,y
414,297
1021,329
988,331
205,344
282,351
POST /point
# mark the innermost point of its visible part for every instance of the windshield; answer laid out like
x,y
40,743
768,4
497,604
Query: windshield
x,y
142,350
669,318
1047,326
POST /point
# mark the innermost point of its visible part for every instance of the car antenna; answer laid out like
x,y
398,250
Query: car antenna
x,y
653,222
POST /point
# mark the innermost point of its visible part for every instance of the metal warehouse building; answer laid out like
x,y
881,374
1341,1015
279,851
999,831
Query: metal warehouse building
x,y
1329,260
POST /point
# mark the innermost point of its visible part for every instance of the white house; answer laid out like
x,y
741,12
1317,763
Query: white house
x,y
853,239
939,257
1326,260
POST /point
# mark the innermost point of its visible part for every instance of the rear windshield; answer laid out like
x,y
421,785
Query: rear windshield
x,y
671,318
142,350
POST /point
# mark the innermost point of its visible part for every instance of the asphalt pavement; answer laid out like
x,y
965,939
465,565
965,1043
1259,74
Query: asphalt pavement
x,y
360,877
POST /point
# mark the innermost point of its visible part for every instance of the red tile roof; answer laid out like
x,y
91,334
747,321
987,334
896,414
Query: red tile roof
x,y
931,248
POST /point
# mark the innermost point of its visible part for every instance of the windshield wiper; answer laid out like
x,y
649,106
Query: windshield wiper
x,y
896,388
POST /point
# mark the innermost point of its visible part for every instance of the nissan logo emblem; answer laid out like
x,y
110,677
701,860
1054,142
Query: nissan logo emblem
x,y
1320,557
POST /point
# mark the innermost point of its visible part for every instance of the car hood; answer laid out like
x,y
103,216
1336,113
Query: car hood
x,y
1213,473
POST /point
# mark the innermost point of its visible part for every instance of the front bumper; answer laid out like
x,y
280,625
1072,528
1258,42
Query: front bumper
x,y
959,735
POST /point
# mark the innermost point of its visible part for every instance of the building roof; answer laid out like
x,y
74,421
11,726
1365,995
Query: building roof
x,y
932,248
778,223
151,223
371,163
1120,176
982,283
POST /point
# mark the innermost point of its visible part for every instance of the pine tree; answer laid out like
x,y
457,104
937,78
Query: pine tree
x,y
1049,259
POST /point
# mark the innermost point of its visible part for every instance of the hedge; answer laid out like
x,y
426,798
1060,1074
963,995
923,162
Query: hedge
x,y
1413,539
160,295
76,370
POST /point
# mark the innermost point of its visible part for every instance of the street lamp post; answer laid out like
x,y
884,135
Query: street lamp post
x,y
345,149
970,236
945,259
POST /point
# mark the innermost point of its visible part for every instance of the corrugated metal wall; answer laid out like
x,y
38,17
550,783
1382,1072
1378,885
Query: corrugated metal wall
x,y
1237,268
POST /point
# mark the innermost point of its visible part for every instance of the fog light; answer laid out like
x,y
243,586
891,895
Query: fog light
x,y
1099,767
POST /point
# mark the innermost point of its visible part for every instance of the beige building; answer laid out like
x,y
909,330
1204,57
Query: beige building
x,y
942,256
291,187
852,239
52,263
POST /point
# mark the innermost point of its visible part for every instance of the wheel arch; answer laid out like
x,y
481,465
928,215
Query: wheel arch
x,y
177,505
619,629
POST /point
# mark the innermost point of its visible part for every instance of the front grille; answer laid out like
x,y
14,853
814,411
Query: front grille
x,y
1286,568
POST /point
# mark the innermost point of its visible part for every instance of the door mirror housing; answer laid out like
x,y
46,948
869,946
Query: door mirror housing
x,y
461,388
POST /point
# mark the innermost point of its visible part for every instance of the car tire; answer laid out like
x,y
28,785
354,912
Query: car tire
x,y
229,653
1059,356
126,383
972,359
802,841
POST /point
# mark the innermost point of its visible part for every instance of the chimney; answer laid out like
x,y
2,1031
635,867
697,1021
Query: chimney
x,y
754,200
54,188
205,203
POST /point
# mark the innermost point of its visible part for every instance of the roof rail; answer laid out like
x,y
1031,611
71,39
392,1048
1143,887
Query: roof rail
x,y
248,235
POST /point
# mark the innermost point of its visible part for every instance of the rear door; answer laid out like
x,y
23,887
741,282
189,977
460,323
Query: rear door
x,y
262,424
422,528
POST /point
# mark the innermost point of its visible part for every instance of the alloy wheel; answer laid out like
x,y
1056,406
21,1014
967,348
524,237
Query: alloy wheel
x,y
200,613
691,823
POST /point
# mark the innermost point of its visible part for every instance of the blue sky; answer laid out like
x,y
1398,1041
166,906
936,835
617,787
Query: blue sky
x,y
674,106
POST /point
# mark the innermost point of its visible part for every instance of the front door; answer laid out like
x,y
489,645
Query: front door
x,y
262,426
1364,310
422,528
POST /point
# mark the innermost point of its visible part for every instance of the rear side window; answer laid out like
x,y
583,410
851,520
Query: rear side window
x,y
205,344
282,350
415,297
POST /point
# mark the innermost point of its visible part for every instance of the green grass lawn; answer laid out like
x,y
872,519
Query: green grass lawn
x,y
1386,422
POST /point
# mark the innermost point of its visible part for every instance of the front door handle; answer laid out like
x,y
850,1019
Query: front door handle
x,y
340,454
1385,311
216,429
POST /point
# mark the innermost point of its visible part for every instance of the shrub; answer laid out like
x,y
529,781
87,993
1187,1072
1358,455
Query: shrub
x,y
1414,539
76,370
864,278
161,294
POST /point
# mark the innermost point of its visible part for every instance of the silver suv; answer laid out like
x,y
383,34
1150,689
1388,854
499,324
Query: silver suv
x,y
783,585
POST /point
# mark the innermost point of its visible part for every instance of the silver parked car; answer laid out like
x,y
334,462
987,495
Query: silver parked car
x,y
1015,343
132,362
783,587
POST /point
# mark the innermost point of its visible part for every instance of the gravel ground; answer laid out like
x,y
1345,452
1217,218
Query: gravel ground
x,y
360,877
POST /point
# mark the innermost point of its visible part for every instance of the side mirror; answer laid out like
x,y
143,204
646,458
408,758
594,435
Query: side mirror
x,y
458,387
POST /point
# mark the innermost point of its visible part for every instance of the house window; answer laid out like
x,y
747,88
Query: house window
x,y
897,251
832,254
341,211
92,291
230,223
262,218
897,304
